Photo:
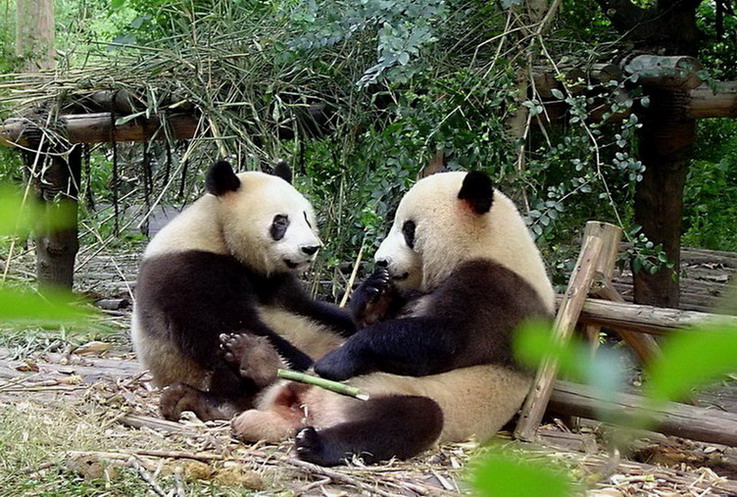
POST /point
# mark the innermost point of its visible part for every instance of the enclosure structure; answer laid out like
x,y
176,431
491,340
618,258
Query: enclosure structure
x,y
677,98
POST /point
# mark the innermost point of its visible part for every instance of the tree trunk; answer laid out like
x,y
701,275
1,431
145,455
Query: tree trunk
x,y
56,248
34,37
665,145
57,182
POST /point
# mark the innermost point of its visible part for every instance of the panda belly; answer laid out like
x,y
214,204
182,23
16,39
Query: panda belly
x,y
475,402
309,336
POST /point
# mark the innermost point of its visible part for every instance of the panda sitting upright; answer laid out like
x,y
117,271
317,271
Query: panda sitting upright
x,y
462,273
219,278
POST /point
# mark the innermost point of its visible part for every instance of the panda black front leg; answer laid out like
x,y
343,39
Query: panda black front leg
x,y
342,363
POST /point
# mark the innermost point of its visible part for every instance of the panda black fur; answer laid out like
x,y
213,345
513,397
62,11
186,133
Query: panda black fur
x,y
467,274
226,265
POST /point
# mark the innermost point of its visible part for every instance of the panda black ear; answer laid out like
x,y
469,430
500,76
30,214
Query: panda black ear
x,y
283,170
477,191
221,178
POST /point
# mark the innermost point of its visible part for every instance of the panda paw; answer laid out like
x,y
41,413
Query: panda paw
x,y
311,448
176,399
372,299
254,357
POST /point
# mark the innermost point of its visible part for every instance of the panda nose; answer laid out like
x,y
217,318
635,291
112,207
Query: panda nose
x,y
310,250
382,262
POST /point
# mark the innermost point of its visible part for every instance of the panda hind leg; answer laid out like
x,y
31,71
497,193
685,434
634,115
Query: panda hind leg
x,y
375,430
227,395
181,397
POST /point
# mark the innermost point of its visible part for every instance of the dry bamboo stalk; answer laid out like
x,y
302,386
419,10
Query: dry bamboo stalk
x,y
565,321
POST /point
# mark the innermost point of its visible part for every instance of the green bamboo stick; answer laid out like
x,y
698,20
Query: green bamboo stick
x,y
333,386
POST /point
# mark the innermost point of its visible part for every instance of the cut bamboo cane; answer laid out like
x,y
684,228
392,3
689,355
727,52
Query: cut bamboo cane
x,y
565,321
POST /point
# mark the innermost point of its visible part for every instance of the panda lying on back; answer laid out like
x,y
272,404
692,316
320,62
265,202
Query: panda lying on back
x,y
220,279
467,273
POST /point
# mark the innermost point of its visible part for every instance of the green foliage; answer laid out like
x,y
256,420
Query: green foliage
x,y
502,474
400,27
710,196
21,306
692,359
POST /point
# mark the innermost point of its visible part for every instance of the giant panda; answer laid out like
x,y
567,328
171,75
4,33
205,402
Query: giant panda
x,y
225,269
441,368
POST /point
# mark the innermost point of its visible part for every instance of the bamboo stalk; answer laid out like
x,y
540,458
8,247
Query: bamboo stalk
x,y
333,386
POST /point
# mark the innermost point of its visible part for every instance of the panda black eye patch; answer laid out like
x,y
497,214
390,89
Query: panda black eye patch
x,y
279,227
408,230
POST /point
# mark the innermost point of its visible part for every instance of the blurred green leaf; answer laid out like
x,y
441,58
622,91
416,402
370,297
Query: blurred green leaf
x,y
18,217
691,359
504,475
30,308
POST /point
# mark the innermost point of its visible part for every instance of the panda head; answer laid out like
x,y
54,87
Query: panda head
x,y
452,217
265,222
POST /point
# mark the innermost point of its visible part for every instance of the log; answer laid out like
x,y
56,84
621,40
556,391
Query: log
x,y
680,420
645,318
718,102
99,128
644,346
565,322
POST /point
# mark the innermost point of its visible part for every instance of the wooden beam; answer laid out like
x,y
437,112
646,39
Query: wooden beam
x,y
644,318
100,128
681,420
565,322
719,101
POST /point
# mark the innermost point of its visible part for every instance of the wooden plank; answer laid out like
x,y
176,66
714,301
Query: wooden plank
x,y
644,346
718,102
565,321
681,420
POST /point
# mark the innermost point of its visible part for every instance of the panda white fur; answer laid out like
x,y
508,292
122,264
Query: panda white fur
x,y
441,369
226,266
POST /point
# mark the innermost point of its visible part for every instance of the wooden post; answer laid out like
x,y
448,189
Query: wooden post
x,y
34,33
665,143
644,345
595,235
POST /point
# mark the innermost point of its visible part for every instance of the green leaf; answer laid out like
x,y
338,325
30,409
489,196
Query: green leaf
x,y
18,216
129,117
692,358
504,475
30,308
557,93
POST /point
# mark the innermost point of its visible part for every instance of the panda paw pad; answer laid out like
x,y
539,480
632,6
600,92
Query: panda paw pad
x,y
307,443
254,357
